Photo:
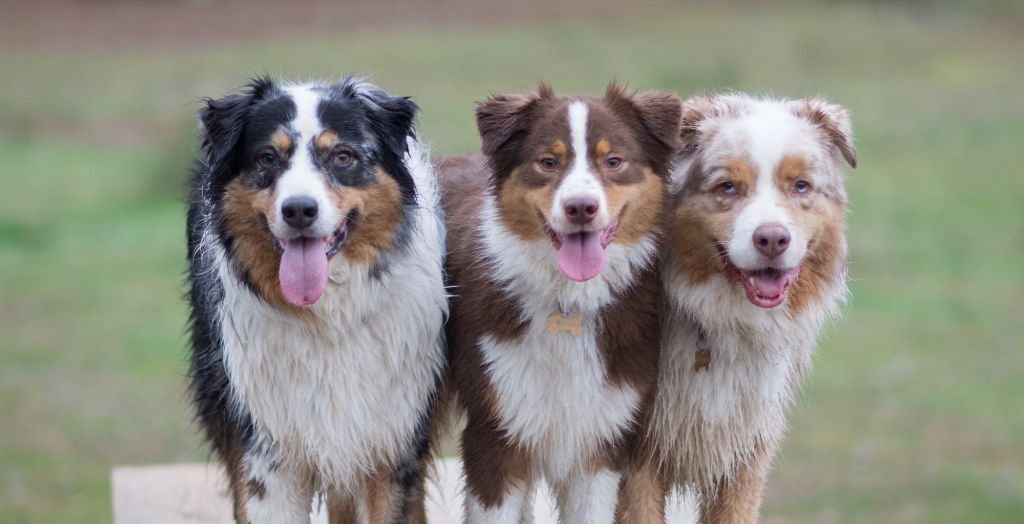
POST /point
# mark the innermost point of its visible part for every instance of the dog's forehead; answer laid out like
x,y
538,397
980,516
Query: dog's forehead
x,y
550,123
554,121
763,133
270,115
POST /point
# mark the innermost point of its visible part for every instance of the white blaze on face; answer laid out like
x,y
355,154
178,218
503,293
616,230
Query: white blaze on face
x,y
581,254
304,264
303,178
580,181
767,135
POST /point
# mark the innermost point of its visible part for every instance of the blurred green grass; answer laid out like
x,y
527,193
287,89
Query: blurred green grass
x,y
913,413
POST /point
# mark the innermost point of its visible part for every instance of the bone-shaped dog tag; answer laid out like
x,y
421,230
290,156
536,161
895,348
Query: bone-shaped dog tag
x,y
558,323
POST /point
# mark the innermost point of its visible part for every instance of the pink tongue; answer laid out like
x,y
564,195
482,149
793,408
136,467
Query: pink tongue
x,y
581,256
303,271
769,286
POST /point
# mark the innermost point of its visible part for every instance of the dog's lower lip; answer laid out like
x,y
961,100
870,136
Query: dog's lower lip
x,y
607,234
334,241
748,278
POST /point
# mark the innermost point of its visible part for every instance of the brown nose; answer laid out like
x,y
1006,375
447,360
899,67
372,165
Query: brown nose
x,y
580,210
771,240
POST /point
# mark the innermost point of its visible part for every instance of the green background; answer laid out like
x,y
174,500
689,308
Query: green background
x,y
913,412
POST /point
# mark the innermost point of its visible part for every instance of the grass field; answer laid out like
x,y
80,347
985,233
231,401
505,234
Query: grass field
x,y
914,412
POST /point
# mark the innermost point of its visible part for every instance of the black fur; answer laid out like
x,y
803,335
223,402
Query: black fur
x,y
233,129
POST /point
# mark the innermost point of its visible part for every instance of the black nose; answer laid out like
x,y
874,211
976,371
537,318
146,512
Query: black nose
x,y
771,240
299,212
580,210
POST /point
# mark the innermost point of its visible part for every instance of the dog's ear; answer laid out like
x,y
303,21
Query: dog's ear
x,y
658,113
834,122
504,118
222,120
695,111
392,119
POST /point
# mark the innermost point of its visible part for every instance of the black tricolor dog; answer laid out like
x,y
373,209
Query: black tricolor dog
x,y
317,299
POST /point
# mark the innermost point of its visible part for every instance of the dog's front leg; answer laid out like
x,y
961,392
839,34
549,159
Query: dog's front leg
x,y
737,500
274,494
589,498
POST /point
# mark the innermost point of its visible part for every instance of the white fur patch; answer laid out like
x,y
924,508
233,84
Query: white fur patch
x,y
344,386
515,508
287,496
303,178
554,396
707,421
580,181
590,499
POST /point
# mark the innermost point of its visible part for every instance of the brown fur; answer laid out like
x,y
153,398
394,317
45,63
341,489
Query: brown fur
x,y
281,141
823,217
247,212
702,218
379,212
737,500
517,131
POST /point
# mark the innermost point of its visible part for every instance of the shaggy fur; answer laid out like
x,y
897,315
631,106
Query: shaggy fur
x,y
553,366
735,350
303,394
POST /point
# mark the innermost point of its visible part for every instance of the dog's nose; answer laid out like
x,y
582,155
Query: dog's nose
x,y
580,210
299,212
771,239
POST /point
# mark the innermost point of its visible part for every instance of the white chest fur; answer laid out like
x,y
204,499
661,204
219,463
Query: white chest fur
x,y
343,387
554,398
553,392
711,410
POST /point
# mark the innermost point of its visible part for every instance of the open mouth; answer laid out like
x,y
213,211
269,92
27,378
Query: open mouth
x,y
581,254
766,287
304,264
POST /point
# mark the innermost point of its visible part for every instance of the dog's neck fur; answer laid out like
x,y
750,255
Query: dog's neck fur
x,y
556,399
317,381
708,421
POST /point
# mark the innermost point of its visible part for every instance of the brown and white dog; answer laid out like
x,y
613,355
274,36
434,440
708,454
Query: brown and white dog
x,y
554,320
755,264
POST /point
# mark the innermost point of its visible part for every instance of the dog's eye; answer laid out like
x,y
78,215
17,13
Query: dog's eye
x,y
728,189
343,158
802,187
614,162
548,163
267,158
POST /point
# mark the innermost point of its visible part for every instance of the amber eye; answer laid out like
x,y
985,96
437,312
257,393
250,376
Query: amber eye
x,y
728,189
343,158
267,158
802,187
548,163
613,162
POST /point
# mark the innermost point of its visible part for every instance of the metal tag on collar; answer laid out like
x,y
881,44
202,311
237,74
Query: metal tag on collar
x,y
562,321
702,358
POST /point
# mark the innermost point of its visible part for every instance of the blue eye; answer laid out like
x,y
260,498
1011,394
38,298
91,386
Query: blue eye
x,y
802,186
727,188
